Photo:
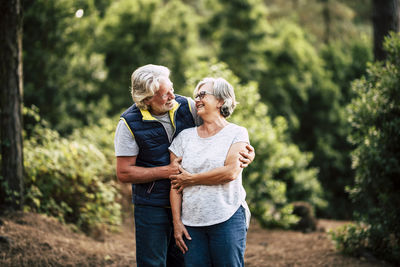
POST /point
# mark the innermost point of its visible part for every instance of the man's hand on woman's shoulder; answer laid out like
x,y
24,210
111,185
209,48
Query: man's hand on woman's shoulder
x,y
247,157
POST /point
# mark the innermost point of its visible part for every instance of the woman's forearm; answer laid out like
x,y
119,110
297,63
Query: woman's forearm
x,y
220,175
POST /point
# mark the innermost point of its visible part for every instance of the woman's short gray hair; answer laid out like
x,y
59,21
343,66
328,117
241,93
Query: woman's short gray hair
x,y
222,90
145,82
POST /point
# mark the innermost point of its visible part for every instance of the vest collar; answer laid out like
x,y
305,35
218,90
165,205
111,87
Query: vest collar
x,y
148,117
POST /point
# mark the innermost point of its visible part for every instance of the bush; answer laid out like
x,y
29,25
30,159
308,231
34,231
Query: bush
x,y
346,62
71,178
374,115
350,239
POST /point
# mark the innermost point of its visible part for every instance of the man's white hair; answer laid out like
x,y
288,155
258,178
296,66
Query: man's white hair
x,y
145,82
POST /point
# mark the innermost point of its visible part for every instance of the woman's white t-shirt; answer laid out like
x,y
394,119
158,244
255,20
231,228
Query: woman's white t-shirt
x,y
204,205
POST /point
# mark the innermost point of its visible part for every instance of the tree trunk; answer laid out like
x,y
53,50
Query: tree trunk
x,y
327,20
11,103
386,18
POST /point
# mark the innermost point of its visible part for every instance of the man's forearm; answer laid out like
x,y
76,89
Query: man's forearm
x,y
176,205
217,176
139,175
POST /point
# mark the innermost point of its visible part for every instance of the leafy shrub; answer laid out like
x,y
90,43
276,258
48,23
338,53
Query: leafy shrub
x,y
374,115
350,239
279,174
346,62
71,178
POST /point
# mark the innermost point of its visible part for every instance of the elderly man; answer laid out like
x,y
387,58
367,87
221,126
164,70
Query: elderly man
x,y
143,135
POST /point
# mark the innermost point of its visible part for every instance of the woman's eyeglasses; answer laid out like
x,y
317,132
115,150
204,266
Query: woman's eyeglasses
x,y
202,94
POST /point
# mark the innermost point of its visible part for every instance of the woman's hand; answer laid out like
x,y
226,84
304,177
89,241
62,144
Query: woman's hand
x,y
182,180
247,157
173,167
180,232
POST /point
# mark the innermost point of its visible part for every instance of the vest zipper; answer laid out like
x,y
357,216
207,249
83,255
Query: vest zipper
x,y
174,126
151,187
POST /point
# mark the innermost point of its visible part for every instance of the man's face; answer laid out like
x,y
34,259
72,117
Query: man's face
x,y
163,100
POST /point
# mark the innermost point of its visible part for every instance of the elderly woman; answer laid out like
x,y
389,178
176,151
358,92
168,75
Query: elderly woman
x,y
212,218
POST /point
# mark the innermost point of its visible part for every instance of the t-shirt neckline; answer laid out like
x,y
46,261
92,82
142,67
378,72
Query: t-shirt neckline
x,y
217,133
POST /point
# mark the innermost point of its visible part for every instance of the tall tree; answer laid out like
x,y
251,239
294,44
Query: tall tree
x,y
326,14
386,18
55,41
11,102
374,117
240,28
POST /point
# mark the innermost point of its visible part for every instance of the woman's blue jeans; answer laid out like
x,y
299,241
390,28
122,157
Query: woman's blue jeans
x,y
218,245
155,243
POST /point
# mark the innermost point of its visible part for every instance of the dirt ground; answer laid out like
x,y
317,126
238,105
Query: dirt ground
x,y
28,239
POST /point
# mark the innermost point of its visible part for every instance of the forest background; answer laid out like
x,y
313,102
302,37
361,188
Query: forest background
x,y
303,72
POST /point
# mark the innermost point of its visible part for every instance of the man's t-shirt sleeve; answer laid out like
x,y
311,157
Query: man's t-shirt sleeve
x,y
124,142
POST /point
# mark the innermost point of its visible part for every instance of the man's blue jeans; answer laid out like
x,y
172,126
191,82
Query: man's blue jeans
x,y
218,245
155,243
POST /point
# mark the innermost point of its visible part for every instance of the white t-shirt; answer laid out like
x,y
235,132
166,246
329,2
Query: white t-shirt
x,y
204,205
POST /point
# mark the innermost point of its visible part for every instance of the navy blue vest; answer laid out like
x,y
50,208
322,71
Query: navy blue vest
x,y
153,143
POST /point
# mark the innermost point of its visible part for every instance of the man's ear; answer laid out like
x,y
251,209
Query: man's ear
x,y
220,103
146,101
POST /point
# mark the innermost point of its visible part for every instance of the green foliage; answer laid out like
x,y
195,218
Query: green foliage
x,y
374,116
139,32
327,20
101,135
298,87
62,74
238,30
79,74
347,62
178,44
71,178
351,239
279,174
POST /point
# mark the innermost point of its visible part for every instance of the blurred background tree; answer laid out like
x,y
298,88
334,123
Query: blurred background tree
x,y
374,117
326,20
238,30
386,18
63,74
135,33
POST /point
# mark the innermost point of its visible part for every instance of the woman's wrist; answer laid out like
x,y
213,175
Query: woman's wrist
x,y
194,178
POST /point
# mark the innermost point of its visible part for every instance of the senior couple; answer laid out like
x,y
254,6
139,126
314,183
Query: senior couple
x,y
184,161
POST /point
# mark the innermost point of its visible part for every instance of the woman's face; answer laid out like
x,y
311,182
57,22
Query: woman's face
x,y
206,102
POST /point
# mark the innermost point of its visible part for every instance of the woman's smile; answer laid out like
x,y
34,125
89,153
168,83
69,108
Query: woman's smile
x,y
200,105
